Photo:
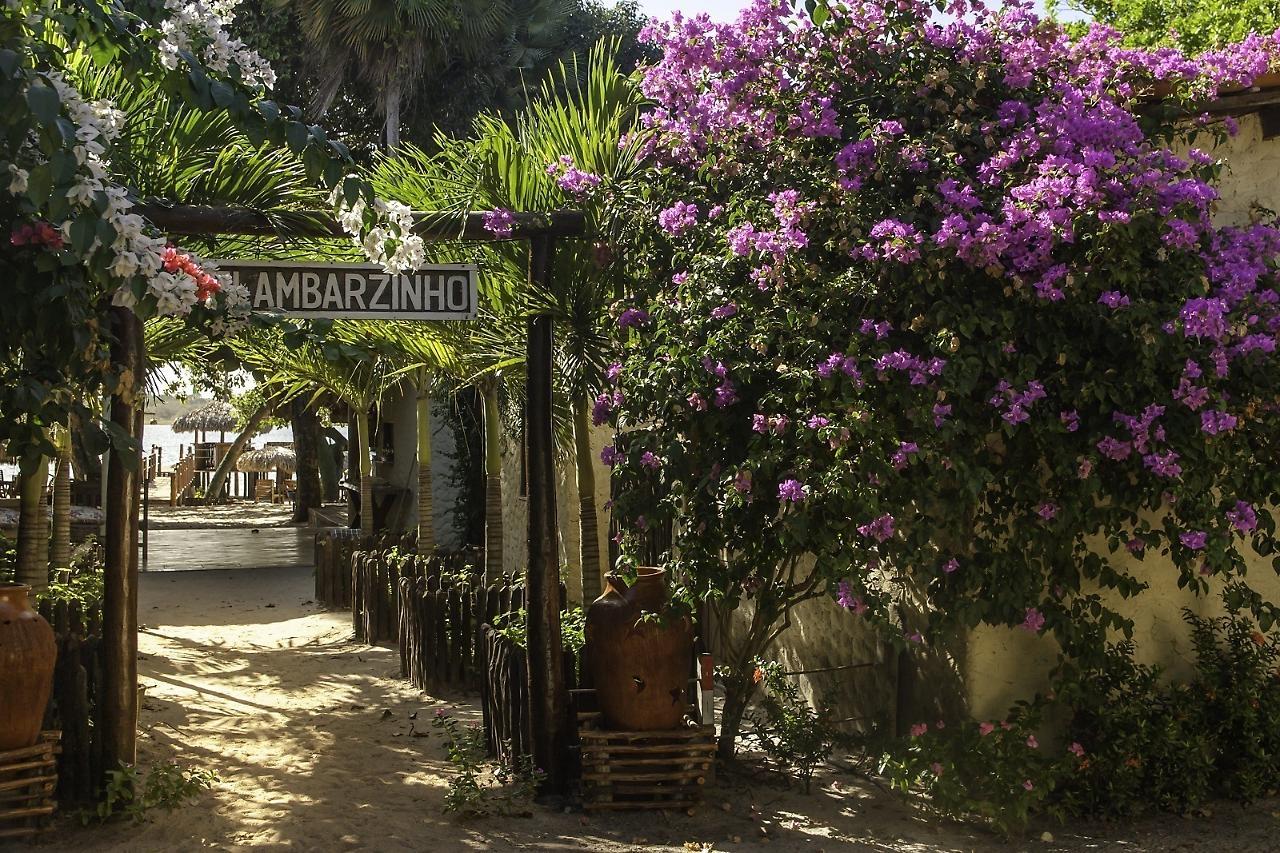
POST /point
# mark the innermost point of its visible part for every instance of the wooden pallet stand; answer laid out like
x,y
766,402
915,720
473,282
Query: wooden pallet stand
x,y
644,770
28,782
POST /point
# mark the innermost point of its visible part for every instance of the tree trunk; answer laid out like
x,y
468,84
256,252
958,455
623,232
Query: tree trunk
x,y
392,104
492,486
366,472
331,446
306,449
31,569
60,547
548,694
588,532
426,520
354,447
119,694
228,463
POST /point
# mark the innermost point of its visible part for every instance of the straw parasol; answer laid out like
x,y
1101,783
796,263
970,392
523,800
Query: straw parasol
x,y
268,459
216,415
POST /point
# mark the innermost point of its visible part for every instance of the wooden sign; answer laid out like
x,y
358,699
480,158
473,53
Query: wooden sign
x,y
357,291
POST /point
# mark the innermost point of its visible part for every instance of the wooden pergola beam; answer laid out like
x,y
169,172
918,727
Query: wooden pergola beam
x,y
191,220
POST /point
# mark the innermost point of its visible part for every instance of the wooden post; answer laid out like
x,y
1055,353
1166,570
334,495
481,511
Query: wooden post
x,y
547,696
120,575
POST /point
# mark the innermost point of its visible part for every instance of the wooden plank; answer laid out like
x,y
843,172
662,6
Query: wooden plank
x,y
591,749
45,782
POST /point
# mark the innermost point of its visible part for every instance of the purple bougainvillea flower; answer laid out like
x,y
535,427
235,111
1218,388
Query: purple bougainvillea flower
x,y
1194,539
1034,620
678,218
611,455
950,565
633,318
880,530
500,222
791,490
1243,517
1047,511
650,461
724,311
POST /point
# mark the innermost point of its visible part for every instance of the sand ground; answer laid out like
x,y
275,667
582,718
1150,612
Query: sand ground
x,y
319,746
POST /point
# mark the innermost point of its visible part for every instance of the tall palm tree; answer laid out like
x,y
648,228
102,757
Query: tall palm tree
x,y
393,44
342,363
582,113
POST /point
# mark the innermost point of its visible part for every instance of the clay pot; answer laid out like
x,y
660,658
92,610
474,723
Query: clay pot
x,y
27,654
641,671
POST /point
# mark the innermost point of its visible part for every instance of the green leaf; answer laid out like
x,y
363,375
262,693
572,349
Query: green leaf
x,y
39,185
44,102
82,233
9,62
296,135
223,95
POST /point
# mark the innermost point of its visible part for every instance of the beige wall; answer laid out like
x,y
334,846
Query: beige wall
x,y
515,513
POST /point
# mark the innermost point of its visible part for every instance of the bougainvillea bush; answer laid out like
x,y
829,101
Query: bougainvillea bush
x,y
931,304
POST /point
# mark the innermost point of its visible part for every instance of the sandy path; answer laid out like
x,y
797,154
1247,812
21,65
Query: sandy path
x,y
312,739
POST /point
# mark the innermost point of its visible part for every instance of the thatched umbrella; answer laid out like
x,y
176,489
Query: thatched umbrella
x,y
268,459
215,415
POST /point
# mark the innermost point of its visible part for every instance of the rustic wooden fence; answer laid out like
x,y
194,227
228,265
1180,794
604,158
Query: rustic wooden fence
x,y
73,706
333,549
504,694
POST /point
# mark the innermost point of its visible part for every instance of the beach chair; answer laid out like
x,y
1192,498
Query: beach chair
x,y
264,490
288,491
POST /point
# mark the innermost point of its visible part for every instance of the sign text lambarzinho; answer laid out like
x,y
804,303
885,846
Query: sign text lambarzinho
x,y
357,291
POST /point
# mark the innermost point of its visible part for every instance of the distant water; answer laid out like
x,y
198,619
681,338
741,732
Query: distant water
x,y
169,442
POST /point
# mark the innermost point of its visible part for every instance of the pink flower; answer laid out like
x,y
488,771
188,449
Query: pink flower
x,y
919,729
1026,783
1034,621
985,729
1032,742
950,565
1076,749
1047,511
936,768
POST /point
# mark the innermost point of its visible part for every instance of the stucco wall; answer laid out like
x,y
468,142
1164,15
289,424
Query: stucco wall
x,y
401,410
515,513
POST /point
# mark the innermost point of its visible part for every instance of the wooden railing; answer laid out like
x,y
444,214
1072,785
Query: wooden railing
x,y
181,478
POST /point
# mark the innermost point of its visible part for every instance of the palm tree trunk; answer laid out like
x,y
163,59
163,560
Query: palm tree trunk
x,y
228,463
392,105
306,449
60,548
588,533
31,569
492,486
426,522
366,470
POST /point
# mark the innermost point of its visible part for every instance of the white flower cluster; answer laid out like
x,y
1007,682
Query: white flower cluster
x,y
198,28
135,250
390,241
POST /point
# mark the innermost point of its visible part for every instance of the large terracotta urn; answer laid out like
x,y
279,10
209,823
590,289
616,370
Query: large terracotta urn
x,y
641,668
27,653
